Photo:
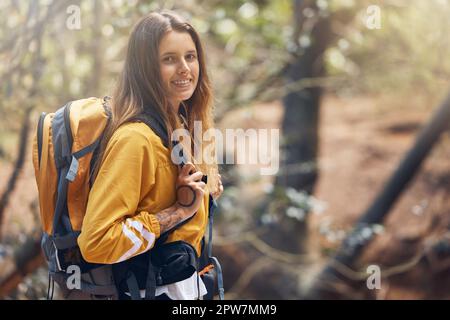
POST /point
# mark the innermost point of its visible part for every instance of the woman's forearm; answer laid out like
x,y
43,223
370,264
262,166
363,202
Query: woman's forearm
x,y
170,217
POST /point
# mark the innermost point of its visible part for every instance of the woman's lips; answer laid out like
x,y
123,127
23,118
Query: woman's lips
x,y
182,83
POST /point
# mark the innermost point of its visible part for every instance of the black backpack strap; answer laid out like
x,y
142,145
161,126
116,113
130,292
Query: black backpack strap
x,y
208,261
150,284
212,208
62,142
133,286
153,120
39,133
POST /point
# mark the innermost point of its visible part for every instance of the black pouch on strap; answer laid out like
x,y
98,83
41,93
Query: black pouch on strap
x,y
176,261
135,267
172,262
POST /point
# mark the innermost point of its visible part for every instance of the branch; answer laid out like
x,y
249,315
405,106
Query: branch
x,y
252,238
260,89
23,147
27,259
247,276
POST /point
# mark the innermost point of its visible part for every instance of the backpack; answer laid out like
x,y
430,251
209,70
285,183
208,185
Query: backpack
x,y
64,152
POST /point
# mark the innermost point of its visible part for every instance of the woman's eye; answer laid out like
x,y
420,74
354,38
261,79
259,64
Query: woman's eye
x,y
169,59
191,57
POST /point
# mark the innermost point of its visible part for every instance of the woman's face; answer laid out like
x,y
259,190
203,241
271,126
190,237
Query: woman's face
x,y
179,66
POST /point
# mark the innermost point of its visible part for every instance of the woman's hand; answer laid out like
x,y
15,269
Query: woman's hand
x,y
190,190
219,192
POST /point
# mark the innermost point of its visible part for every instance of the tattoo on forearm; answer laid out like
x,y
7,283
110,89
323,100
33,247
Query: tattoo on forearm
x,y
168,218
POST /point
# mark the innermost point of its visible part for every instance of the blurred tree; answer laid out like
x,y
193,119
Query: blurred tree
x,y
313,35
96,50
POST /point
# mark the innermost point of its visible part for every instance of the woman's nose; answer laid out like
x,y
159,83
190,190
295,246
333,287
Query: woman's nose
x,y
183,68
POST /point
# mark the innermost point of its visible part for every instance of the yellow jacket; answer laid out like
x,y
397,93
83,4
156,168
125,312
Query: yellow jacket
x,y
136,180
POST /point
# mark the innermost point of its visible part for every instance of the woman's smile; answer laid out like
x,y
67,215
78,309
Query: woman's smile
x,y
182,84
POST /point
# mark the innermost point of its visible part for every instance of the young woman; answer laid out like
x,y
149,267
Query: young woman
x,y
139,193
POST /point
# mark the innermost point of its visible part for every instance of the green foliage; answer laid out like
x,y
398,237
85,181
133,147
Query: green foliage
x,y
245,41
407,53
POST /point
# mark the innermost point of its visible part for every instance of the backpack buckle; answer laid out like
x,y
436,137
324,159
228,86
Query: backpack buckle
x,y
73,169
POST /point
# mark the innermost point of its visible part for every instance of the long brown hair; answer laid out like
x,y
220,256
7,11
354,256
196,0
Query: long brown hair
x,y
139,86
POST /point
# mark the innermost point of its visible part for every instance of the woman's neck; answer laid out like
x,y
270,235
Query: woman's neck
x,y
175,105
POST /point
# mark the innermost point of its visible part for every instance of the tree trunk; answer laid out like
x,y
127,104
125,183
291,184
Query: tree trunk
x,y
96,50
300,127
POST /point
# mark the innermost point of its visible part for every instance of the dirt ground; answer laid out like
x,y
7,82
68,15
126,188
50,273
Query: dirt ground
x,y
362,143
